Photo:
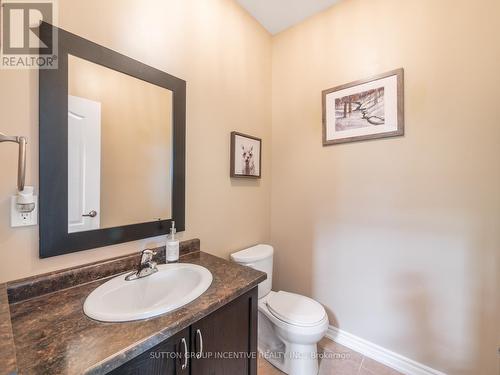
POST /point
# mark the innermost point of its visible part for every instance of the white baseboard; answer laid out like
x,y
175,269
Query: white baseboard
x,y
394,360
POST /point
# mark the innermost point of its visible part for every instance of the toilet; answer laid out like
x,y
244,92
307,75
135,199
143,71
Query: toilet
x,y
290,325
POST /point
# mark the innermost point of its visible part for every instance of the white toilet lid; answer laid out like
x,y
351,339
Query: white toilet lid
x,y
295,309
253,254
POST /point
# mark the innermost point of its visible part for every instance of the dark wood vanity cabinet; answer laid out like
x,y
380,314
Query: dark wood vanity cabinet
x,y
226,340
167,358
222,343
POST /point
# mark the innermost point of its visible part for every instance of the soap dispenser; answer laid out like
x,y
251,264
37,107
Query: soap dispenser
x,y
172,245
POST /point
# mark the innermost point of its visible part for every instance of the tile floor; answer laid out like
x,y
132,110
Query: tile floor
x,y
344,361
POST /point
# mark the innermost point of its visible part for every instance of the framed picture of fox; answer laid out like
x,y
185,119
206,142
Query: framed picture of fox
x,y
246,155
362,110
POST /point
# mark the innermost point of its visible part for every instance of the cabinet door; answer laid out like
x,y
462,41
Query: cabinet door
x,y
171,357
225,342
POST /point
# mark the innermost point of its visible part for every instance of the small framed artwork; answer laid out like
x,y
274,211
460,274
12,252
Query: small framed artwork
x,y
362,110
246,155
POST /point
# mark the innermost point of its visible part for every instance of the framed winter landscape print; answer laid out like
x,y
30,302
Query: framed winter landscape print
x,y
246,155
363,110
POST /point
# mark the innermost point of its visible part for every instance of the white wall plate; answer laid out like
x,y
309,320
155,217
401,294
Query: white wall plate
x,y
22,219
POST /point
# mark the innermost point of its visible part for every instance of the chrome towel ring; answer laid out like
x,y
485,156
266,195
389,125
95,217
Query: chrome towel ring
x,y
21,167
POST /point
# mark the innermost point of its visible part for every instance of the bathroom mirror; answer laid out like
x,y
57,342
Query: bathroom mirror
x,y
119,148
112,148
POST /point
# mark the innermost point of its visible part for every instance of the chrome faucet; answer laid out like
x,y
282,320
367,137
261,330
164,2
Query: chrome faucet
x,y
146,266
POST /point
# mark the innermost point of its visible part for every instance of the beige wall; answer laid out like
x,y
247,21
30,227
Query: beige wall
x,y
399,238
136,143
225,57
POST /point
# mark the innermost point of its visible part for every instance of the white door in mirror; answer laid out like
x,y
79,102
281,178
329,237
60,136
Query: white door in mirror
x,y
173,286
84,164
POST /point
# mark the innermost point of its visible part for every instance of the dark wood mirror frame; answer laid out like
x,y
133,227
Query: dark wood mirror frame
x,y
53,197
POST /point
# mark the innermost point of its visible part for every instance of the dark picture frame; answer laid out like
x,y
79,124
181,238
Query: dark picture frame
x,y
54,237
237,155
399,106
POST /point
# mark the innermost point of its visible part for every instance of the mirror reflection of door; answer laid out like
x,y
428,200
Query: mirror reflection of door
x,y
120,148
84,164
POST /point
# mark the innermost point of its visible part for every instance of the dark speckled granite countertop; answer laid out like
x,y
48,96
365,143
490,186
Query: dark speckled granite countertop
x,y
53,336
7,349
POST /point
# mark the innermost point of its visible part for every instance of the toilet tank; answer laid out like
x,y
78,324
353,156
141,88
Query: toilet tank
x,y
259,257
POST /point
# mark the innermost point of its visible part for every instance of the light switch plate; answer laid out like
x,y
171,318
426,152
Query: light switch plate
x,y
22,219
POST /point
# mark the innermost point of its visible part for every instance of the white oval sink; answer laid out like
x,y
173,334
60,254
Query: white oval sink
x,y
173,286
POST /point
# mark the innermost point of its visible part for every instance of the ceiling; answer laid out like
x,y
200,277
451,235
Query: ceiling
x,y
278,15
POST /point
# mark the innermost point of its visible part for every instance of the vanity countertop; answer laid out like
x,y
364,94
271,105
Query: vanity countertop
x,y
53,336
7,349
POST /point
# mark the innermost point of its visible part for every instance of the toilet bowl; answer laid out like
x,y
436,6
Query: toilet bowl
x,y
290,325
